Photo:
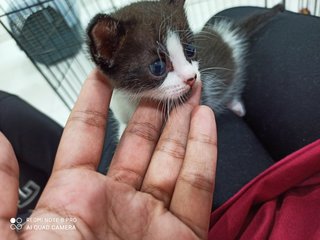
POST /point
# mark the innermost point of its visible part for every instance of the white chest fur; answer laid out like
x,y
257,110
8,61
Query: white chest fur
x,y
122,107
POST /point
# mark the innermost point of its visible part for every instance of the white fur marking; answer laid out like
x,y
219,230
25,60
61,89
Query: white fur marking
x,y
232,38
175,83
182,68
237,107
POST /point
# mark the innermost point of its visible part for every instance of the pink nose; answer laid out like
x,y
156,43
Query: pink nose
x,y
191,81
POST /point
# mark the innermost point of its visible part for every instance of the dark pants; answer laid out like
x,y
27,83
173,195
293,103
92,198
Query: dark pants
x,y
35,139
282,99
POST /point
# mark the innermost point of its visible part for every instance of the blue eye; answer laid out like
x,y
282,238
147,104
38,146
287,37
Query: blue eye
x,y
158,68
189,50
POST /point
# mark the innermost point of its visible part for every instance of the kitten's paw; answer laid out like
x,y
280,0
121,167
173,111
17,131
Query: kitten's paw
x,y
237,107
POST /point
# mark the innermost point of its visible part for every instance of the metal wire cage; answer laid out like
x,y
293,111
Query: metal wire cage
x,y
51,32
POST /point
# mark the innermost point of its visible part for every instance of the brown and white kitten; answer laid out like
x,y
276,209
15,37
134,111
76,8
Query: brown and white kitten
x,y
147,50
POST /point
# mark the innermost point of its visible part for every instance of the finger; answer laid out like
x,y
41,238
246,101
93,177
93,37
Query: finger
x,y
167,159
9,182
82,140
137,144
192,197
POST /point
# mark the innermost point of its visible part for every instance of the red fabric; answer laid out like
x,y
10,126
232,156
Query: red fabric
x,y
281,203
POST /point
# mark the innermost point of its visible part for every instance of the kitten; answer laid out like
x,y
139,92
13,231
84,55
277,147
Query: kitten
x,y
147,50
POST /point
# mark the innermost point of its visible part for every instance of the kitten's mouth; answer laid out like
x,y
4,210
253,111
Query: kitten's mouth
x,y
181,99
171,103
175,96
187,95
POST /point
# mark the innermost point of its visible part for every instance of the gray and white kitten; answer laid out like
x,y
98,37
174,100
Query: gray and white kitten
x,y
147,50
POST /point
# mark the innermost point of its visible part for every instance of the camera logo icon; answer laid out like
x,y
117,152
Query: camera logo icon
x,y
16,223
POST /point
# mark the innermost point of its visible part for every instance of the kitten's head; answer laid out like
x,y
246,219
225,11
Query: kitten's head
x,y
146,49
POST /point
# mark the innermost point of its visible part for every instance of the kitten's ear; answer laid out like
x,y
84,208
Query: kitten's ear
x,y
105,35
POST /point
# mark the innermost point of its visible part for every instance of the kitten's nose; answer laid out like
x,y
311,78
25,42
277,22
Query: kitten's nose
x,y
191,81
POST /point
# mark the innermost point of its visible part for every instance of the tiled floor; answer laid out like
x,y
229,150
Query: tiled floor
x,y
19,76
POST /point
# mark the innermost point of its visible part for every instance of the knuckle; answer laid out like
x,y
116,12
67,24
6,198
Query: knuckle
x,y
172,147
203,138
157,192
197,180
144,130
128,176
90,118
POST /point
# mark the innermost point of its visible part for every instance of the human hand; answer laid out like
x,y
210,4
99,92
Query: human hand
x,y
159,184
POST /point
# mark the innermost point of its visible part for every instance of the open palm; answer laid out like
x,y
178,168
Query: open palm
x,y
159,184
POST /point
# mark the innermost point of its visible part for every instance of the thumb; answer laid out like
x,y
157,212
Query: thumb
x,y
9,183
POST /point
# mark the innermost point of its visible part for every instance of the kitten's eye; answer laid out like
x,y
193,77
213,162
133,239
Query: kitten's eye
x,y
158,68
190,50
